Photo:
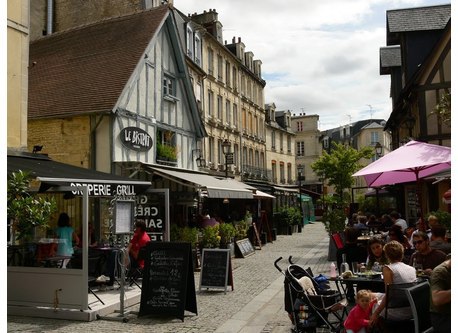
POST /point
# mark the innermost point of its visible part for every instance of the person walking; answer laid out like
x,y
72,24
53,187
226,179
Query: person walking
x,y
67,236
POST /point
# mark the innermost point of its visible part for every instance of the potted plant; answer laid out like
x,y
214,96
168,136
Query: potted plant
x,y
166,152
241,229
27,210
227,233
210,237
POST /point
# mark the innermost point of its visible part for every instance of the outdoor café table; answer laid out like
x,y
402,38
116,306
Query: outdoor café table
x,y
374,284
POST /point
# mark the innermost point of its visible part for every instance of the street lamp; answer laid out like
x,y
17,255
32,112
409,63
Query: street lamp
x,y
410,123
228,155
300,169
378,150
201,163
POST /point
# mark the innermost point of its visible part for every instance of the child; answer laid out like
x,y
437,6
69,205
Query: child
x,y
358,318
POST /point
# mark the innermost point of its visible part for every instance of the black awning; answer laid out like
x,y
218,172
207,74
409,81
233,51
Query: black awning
x,y
51,174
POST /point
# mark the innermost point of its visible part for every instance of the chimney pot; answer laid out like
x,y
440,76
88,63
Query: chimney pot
x,y
240,40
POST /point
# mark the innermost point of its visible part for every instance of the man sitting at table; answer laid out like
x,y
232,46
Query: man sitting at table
x,y
438,241
139,240
424,255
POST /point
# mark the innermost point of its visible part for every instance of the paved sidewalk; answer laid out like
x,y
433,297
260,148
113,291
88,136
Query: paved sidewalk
x,y
255,305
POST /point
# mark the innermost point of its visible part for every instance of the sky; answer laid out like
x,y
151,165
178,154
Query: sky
x,y
318,56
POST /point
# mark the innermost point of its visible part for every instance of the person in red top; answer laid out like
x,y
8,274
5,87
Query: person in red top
x,y
139,240
358,318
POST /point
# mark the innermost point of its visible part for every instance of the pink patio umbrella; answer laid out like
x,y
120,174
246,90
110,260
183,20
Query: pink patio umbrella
x,y
408,163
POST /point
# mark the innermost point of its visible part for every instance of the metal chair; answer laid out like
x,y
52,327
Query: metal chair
x,y
419,299
397,301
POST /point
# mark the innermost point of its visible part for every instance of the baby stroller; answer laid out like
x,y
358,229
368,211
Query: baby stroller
x,y
309,305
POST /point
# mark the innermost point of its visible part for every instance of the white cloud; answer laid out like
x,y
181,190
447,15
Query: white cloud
x,y
318,57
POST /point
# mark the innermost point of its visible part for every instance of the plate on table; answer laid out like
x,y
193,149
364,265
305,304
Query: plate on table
x,y
370,274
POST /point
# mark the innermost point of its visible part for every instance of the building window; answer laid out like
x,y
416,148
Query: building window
x,y
288,143
210,103
189,42
220,108
235,115
228,111
169,86
234,77
281,142
220,67
210,61
274,171
273,140
197,51
300,126
289,172
282,173
228,74
300,148
374,138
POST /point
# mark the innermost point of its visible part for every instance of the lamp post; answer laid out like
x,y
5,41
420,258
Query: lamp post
x,y
228,155
378,150
300,169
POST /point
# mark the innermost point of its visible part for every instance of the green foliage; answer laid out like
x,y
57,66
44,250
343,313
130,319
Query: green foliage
x,y
210,237
443,110
287,216
294,216
184,234
334,220
241,229
226,232
338,166
27,210
445,218
166,151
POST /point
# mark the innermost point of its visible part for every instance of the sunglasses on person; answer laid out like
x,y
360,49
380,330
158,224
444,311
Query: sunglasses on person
x,y
417,242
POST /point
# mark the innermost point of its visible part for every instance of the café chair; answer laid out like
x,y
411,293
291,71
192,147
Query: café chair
x,y
396,301
419,299
136,273
338,241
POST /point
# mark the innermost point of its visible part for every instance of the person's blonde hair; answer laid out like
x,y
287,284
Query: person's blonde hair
x,y
363,293
394,251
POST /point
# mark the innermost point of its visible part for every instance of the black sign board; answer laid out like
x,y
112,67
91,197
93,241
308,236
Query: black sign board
x,y
215,269
230,158
245,248
168,287
136,139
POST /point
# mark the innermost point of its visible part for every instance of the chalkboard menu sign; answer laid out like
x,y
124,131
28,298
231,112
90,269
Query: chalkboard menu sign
x,y
245,248
168,287
215,269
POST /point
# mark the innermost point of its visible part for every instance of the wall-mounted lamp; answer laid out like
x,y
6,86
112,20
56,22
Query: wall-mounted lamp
x,y
378,149
37,148
201,163
409,123
225,200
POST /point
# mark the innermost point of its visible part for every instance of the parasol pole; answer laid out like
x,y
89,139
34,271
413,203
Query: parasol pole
x,y
419,196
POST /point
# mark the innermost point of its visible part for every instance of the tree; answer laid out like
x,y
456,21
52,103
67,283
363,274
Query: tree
x,y
338,166
27,209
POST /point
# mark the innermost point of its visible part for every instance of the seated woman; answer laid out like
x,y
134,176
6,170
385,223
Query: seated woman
x,y
396,272
375,254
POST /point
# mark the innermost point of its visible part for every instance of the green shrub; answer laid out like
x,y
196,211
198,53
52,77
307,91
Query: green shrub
x,y
210,237
445,218
241,229
334,221
226,232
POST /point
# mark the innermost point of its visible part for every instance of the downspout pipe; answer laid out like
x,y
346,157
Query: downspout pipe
x,y
49,17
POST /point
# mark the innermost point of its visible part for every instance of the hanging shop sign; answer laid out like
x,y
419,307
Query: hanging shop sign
x,y
136,139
